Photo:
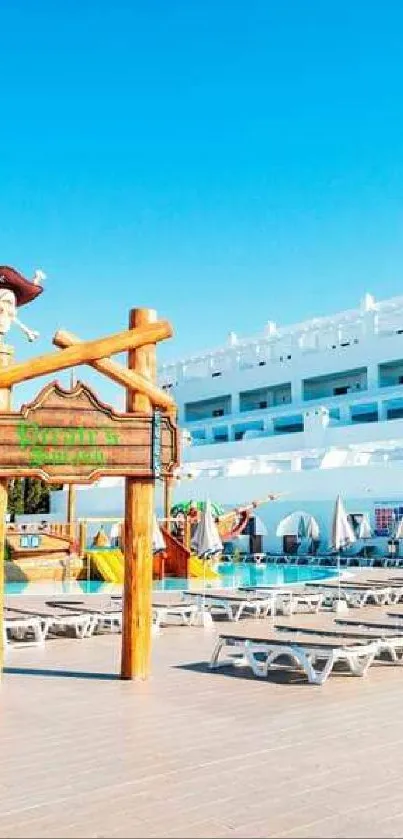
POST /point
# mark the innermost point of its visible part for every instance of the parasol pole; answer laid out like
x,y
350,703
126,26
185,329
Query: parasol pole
x,y
204,586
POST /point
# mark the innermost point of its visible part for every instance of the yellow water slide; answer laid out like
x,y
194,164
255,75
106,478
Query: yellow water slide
x,y
196,568
109,564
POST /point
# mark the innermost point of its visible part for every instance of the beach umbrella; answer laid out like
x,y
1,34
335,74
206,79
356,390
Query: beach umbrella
x,y
312,528
342,534
302,528
206,543
299,524
158,539
206,540
398,532
311,531
364,528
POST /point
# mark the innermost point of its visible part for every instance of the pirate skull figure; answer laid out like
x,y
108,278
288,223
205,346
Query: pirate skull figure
x,y
8,309
16,291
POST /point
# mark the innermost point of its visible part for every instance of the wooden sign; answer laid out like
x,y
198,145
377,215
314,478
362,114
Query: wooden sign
x,y
69,436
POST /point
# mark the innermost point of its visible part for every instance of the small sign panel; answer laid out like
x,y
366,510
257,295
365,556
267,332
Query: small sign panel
x,y
70,436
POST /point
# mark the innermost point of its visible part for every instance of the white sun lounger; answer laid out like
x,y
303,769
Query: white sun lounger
x,y
234,605
102,618
55,620
390,641
19,628
303,652
357,596
111,617
289,600
185,611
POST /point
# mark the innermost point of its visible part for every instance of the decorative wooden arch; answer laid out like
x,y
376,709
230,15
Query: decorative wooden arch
x,y
150,412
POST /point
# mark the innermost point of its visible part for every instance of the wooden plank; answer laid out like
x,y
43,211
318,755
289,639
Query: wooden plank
x,y
6,355
85,352
139,507
121,375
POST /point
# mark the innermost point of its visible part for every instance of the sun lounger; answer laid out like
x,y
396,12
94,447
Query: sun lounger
x,y
111,617
19,627
234,605
357,595
55,619
395,589
304,652
291,600
102,617
185,611
390,640
387,623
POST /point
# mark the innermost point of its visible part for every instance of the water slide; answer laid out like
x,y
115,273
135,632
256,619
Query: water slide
x,y
179,562
109,564
197,569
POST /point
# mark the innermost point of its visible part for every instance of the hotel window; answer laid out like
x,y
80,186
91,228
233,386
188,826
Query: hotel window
x,y
394,413
198,434
364,413
219,412
220,435
386,518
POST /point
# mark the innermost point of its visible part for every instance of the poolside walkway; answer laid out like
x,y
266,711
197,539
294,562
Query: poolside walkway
x,y
192,752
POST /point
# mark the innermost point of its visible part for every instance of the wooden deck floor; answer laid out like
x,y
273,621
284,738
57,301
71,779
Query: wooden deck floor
x,y
194,752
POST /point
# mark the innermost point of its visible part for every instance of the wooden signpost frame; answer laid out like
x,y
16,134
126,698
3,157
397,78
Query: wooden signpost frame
x,y
143,397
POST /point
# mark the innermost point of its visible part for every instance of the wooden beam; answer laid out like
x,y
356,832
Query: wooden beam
x,y
120,374
82,538
85,352
168,496
139,507
6,355
71,509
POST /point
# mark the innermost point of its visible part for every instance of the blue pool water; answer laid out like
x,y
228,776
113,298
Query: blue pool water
x,y
231,576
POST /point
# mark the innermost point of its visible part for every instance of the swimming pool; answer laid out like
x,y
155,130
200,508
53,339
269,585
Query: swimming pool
x,y
230,576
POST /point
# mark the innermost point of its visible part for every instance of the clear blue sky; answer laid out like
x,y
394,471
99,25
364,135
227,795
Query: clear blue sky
x,y
225,162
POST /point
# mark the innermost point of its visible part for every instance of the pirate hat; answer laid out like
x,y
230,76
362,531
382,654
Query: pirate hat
x,y
24,290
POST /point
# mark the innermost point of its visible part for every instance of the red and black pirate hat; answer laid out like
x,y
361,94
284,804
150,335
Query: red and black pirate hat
x,y
25,291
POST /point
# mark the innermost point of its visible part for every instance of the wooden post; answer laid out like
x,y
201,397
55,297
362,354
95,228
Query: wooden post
x,y
82,538
168,492
6,355
188,533
139,507
71,510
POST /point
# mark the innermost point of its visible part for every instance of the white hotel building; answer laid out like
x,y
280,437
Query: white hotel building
x,y
307,410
